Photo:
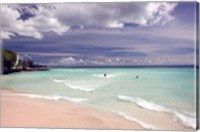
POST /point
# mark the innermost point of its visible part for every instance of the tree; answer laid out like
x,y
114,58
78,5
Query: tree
x,y
9,58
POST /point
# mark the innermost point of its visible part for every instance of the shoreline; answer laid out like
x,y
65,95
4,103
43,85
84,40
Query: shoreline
x,y
20,111
5,72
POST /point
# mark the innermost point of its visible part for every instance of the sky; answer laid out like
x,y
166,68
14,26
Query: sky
x,y
85,34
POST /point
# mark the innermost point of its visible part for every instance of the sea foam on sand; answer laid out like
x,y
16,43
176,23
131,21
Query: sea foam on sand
x,y
186,120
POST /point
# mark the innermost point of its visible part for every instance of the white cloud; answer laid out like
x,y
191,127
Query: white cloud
x,y
114,15
6,34
158,13
161,60
66,61
71,61
44,21
58,18
43,54
115,24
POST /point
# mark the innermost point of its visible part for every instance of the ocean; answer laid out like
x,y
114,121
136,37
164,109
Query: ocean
x,y
159,98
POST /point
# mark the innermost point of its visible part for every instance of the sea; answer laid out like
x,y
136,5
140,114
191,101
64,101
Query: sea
x,y
159,98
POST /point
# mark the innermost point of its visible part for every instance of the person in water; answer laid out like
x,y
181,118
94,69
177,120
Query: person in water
x,y
137,76
105,74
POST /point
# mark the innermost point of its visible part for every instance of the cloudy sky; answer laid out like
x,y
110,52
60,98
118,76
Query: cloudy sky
x,y
145,33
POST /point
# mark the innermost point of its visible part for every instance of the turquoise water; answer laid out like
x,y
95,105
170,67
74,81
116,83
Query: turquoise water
x,y
166,90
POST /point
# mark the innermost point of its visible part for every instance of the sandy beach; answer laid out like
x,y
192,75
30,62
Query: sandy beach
x,y
19,111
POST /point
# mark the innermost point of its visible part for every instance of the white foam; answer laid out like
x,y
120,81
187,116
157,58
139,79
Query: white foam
x,y
79,69
83,86
141,123
126,98
80,87
98,75
185,120
143,103
109,75
59,81
150,106
55,98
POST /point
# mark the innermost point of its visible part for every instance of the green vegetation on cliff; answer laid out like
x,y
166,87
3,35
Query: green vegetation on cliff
x,y
9,59
13,63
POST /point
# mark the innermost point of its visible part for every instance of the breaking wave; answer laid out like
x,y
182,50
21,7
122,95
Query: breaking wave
x,y
143,103
111,75
83,85
102,76
59,81
55,97
80,87
186,120
141,123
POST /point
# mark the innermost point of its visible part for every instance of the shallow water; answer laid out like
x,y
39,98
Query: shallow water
x,y
158,93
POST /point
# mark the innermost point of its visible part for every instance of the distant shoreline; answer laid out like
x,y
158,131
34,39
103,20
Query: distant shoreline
x,y
26,70
153,66
91,67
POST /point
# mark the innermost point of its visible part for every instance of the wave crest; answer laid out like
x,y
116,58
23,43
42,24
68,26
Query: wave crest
x,y
186,120
79,87
83,85
55,97
143,103
141,123
109,75
59,81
